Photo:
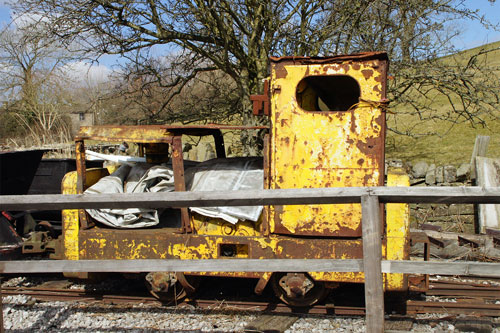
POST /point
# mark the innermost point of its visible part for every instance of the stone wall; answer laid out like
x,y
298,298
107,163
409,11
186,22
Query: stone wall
x,y
453,218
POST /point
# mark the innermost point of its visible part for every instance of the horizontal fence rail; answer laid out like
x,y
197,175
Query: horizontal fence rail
x,y
334,195
369,197
468,268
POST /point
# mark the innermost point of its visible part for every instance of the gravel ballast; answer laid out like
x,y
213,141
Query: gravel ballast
x,y
23,314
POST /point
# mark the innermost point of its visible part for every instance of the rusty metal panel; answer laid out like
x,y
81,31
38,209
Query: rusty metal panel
x,y
138,134
163,243
179,181
100,243
152,133
362,56
311,148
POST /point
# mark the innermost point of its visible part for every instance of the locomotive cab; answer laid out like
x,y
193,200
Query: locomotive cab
x,y
327,129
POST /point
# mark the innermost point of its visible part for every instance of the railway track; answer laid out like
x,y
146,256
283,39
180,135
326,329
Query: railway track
x,y
452,297
58,294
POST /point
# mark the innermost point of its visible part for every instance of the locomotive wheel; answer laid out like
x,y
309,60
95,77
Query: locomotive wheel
x,y
298,289
170,287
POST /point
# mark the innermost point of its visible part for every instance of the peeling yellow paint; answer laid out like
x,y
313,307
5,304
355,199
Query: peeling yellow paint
x,y
70,218
271,243
202,251
398,229
210,226
351,277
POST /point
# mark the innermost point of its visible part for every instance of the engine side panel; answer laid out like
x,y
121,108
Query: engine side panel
x,y
312,147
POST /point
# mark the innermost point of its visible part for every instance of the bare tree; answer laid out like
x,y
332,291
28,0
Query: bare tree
x,y
237,37
431,79
31,85
174,88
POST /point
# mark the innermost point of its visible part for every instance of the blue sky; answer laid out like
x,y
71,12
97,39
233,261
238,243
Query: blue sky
x,y
474,35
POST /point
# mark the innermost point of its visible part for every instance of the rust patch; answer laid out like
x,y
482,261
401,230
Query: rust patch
x,y
353,122
380,120
278,211
281,72
356,66
345,67
367,147
367,178
367,73
361,161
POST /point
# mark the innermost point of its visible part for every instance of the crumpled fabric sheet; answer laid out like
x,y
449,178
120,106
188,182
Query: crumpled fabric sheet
x,y
140,178
240,173
213,175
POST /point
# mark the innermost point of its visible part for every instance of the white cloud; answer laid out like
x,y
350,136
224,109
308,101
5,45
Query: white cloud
x,y
84,73
27,19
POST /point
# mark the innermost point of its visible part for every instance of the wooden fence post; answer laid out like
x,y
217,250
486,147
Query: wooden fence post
x,y
480,149
372,262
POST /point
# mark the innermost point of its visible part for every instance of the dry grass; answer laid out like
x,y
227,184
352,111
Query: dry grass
x,y
455,142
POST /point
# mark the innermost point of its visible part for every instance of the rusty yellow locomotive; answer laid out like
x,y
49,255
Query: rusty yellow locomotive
x,y
327,129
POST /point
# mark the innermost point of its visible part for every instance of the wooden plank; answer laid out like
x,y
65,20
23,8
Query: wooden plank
x,y
372,257
437,194
249,265
466,268
185,199
253,197
271,324
176,265
488,176
480,149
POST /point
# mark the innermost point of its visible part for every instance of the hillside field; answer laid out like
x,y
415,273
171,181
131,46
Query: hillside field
x,y
455,142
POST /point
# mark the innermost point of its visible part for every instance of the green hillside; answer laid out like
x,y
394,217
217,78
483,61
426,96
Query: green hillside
x,y
455,142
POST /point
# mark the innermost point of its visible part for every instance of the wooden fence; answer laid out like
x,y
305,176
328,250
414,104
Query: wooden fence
x,y
372,264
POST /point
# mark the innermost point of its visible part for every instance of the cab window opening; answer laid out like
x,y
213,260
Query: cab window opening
x,y
328,93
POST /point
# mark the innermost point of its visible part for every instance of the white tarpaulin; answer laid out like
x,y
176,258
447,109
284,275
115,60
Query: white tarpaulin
x,y
137,179
213,175
241,173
